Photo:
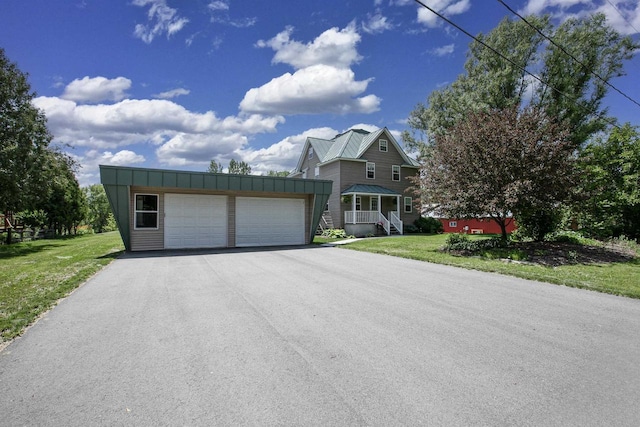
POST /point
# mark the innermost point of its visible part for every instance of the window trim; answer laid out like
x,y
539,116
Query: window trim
x,y
358,203
371,200
373,165
136,211
386,145
393,172
316,172
453,224
408,208
310,153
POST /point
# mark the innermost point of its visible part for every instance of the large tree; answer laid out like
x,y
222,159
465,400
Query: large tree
x,y
585,53
498,163
24,139
610,165
99,214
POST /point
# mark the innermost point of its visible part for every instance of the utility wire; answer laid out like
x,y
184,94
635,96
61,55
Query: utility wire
x,y
623,17
568,54
459,28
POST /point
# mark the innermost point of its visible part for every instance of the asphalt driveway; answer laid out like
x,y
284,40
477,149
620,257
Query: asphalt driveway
x,y
322,336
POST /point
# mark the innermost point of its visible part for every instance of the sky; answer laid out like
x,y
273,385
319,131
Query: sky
x,y
174,84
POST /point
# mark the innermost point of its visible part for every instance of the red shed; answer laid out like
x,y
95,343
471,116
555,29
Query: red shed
x,y
475,226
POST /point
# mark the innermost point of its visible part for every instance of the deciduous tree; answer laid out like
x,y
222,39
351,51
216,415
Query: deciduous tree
x,y
498,163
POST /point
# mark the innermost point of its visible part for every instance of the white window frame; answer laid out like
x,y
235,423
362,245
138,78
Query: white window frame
x,y
408,207
136,211
316,171
373,199
373,169
395,169
304,173
383,147
453,224
358,203
310,153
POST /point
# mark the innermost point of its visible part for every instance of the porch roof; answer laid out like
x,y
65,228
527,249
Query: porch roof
x,y
369,189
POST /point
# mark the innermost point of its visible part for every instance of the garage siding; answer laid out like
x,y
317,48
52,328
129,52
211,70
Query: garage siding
x,y
144,240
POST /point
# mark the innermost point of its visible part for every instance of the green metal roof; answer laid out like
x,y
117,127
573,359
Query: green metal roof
x,y
369,189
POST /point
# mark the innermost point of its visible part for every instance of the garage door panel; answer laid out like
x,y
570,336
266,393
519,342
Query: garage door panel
x,y
195,221
269,221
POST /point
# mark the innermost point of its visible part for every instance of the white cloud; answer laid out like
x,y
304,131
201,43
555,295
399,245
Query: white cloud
x,y
444,50
333,47
172,93
282,155
311,90
162,19
218,5
121,158
445,7
96,89
623,16
376,24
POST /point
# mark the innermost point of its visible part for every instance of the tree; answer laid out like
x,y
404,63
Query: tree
x,y
573,92
214,167
24,139
99,215
610,167
283,174
498,163
239,168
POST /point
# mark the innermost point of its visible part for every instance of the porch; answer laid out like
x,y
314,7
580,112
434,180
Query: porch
x,y
378,200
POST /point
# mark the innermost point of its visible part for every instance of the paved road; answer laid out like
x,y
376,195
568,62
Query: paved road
x,y
322,336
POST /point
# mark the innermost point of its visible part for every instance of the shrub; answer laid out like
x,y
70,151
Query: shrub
x,y
462,242
336,233
428,225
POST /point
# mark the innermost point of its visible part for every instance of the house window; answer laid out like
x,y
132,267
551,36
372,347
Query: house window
x,y
304,174
371,170
317,172
374,203
453,224
382,145
408,206
146,211
310,152
358,203
395,173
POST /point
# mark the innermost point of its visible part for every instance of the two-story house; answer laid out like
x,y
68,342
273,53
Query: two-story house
x,y
369,171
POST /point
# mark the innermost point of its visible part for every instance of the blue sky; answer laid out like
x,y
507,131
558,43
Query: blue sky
x,y
176,83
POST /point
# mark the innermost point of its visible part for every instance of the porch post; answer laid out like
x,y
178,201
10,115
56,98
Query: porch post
x,y
398,207
353,207
379,203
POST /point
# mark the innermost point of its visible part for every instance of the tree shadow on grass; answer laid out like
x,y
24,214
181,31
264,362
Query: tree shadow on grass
x,y
111,255
17,250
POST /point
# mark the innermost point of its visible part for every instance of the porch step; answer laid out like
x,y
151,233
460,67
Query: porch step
x,y
325,223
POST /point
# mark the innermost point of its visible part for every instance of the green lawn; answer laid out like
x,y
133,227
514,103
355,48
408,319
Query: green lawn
x,y
34,275
620,278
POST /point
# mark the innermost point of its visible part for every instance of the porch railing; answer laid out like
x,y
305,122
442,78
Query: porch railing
x,y
396,221
385,223
361,217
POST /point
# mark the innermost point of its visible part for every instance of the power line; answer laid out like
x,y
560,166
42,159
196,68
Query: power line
x,y
623,17
520,67
568,54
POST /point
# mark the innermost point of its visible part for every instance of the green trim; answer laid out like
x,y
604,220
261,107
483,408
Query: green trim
x,y
118,179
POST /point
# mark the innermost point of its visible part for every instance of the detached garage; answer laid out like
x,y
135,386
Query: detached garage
x,y
162,209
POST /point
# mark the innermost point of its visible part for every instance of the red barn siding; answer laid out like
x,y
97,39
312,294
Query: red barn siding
x,y
480,226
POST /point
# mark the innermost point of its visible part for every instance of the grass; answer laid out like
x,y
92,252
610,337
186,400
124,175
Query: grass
x,y
618,278
35,275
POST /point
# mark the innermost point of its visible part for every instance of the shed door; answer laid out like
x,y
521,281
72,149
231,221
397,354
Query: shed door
x,y
269,221
195,221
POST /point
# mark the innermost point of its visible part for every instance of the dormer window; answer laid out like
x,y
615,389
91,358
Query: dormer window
x,y
383,145
310,153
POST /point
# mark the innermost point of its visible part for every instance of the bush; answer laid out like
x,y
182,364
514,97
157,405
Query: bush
x,y
428,225
410,229
336,233
462,243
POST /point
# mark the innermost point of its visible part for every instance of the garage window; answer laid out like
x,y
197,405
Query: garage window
x,y
146,211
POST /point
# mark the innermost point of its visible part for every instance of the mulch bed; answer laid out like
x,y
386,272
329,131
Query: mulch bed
x,y
554,254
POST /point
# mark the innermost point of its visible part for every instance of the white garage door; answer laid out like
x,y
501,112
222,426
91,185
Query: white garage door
x,y
269,221
195,221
